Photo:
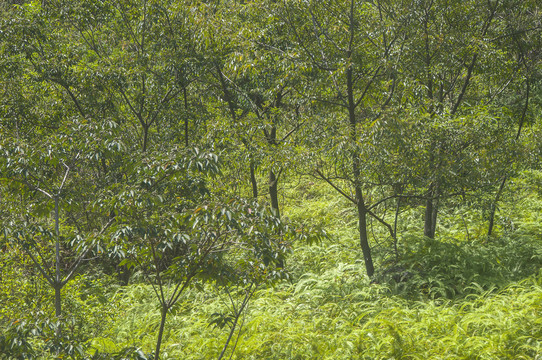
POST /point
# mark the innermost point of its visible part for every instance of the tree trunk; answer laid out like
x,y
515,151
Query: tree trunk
x,y
356,172
503,183
237,314
363,239
273,192
57,284
253,179
58,305
428,224
160,332
431,212
185,117
434,219
145,137
397,209
271,137
58,280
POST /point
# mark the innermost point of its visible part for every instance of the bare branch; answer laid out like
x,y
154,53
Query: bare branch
x,y
64,179
164,101
373,78
291,132
74,267
158,277
335,186
138,115
471,66
382,201
323,31
390,228
47,277
32,187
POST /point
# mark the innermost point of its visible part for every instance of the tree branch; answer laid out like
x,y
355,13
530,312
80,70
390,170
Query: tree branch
x,y
74,267
49,279
335,186
390,228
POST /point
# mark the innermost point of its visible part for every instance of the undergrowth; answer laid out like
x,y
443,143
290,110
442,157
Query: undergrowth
x,y
460,296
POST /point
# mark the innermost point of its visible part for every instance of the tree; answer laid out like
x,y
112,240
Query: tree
x,y
43,176
143,56
175,231
350,54
519,37
457,72
48,152
251,77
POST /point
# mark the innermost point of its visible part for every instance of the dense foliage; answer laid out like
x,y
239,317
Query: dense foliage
x,y
270,180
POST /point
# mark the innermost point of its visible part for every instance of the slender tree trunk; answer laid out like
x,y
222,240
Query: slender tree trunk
x,y
356,172
160,332
503,182
145,137
58,279
238,313
431,212
428,224
395,221
230,335
273,180
434,217
253,179
231,106
57,284
363,239
494,207
362,210
273,191
185,117
58,305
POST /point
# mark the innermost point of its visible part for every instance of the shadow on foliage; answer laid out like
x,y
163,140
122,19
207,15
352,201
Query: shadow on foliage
x,y
437,269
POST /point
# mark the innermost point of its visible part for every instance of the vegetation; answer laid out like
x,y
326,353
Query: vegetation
x,y
270,180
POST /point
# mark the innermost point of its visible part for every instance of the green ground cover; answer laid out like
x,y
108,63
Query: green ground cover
x,y
460,296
